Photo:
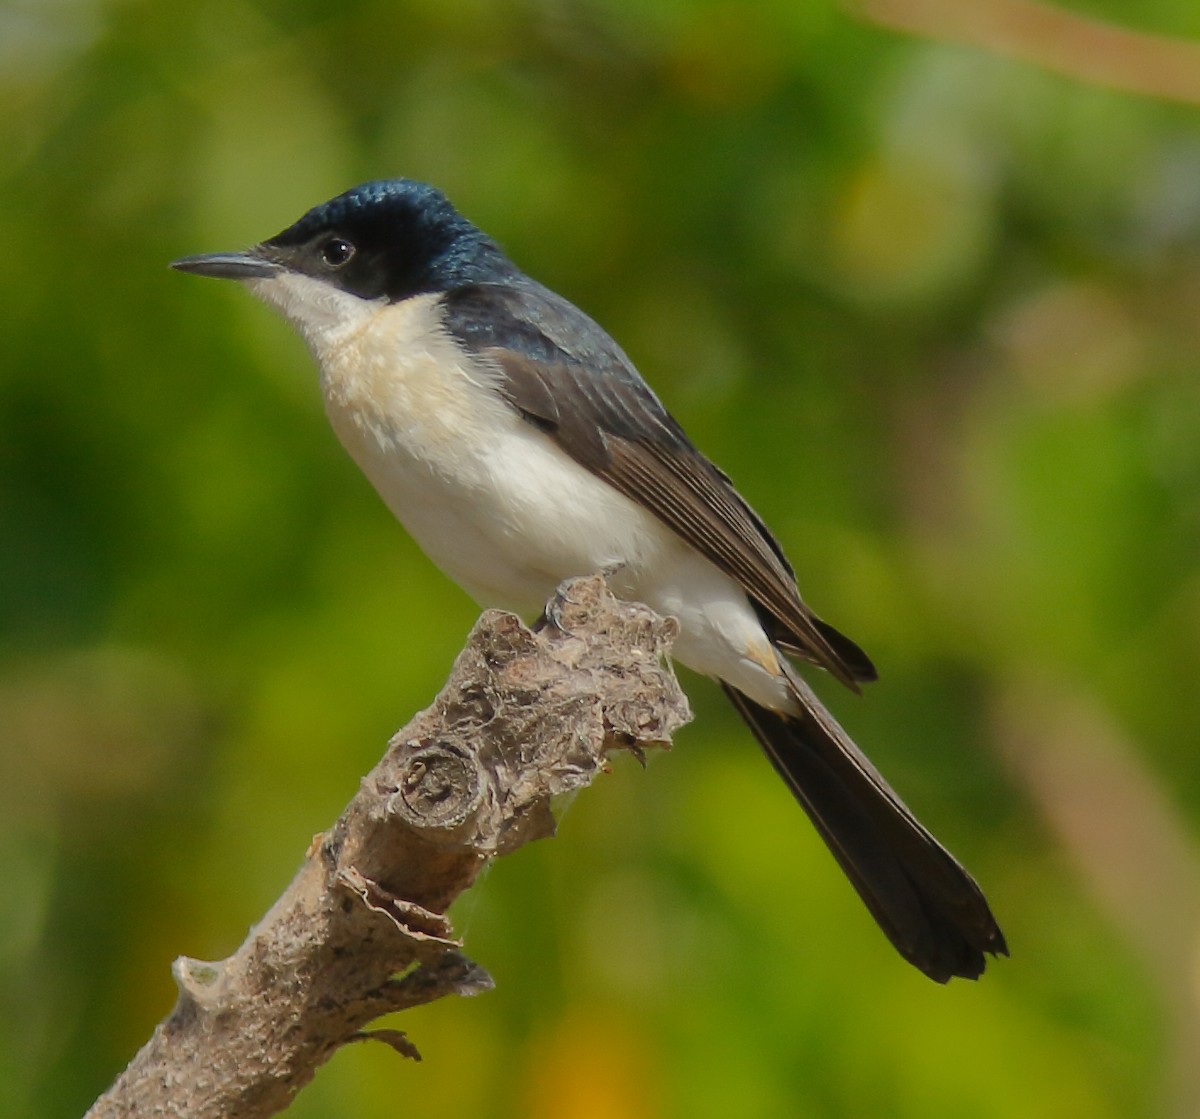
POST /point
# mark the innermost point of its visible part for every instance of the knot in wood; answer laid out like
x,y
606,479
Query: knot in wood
x,y
439,786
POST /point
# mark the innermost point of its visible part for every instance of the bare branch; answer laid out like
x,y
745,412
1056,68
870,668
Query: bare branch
x,y
1079,46
362,930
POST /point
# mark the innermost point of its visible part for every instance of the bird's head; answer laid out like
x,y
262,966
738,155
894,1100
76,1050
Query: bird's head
x,y
381,242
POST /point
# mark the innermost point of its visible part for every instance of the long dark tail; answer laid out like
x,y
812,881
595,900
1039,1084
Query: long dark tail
x,y
929,906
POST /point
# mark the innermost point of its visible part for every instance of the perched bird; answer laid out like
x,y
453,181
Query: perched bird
x,y
516,442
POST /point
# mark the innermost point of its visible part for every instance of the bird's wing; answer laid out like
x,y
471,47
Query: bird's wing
x,y
566,376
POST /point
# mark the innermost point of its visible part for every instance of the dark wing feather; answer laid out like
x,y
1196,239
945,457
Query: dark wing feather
x,y
569,378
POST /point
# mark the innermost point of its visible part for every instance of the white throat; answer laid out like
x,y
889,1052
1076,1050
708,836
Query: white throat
x,y
320,312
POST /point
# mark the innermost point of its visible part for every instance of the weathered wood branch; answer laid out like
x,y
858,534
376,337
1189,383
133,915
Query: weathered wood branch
x,y
362,930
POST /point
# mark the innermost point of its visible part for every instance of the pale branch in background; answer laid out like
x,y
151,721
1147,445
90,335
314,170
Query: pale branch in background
x,y
1078,46
362,930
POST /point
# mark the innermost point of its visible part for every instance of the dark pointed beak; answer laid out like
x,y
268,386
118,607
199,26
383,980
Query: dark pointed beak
x,y
247,265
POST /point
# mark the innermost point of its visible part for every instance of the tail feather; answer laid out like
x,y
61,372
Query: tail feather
x,y
930,908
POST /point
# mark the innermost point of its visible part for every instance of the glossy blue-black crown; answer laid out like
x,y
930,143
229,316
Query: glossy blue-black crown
x,y
406,239
376,204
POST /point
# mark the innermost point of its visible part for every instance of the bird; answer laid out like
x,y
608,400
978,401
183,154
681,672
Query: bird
x,y
519,446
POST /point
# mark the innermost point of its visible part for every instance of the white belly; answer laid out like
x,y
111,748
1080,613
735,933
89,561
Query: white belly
x,y
509,517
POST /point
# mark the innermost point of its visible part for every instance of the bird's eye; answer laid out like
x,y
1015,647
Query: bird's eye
x,y
336,251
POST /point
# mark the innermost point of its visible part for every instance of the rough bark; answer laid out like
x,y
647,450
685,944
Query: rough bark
x,y
362,930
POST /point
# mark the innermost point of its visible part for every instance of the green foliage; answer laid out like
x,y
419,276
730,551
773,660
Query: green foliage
x,y
934,310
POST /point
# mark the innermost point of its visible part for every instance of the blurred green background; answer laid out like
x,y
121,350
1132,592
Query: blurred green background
x,y
937,311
